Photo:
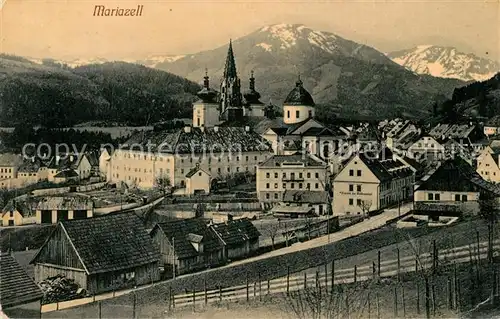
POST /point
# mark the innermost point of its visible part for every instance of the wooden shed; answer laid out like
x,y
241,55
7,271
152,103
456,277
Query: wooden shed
x,y
239,237
101,254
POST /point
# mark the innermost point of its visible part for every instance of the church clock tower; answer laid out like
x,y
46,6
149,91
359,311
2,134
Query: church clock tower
x,y
231,99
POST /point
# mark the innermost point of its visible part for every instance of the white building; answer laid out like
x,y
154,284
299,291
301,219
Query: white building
x,y
290,172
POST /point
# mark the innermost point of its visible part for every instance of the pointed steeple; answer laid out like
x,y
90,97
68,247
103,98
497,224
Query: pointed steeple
x,y
230,67
252,96
252,81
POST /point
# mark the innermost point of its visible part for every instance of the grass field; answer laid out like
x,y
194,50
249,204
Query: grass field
x,y
349,252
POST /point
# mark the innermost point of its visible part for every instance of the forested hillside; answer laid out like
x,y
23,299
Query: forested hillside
x,y
53,95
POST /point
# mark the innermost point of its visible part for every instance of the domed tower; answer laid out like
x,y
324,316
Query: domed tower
x,y
298,105
206,109
254,107
231,100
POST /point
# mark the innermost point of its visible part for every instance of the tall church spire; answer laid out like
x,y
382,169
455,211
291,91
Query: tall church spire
x,y
230,67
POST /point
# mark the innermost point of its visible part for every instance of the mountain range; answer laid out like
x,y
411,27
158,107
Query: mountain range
x,y
445,62
345,78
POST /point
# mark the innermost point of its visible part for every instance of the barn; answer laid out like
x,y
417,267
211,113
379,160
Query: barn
x,y
239,237
101,254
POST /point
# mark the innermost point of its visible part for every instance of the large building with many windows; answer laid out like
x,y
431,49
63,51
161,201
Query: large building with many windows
x,y
368,184
280,173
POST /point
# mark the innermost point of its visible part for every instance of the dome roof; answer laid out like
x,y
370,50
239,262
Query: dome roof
x,y
207,95
299,96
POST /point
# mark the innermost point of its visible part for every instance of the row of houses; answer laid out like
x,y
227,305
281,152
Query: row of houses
x,y
17,171
115,251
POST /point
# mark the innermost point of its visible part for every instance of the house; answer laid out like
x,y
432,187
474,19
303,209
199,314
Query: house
x,y
187,243
17,213
465,134
32,170
427,148
488,163
197,181
239,237
492,126
9,164
101,254
303,203
369,183
65,176
296,172
50,210
454,187
69,163
20,296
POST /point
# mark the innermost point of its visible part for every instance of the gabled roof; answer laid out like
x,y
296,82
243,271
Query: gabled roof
x,y
457,175
67,173
184,230
194,171
64,203
25,208
236,231
16,287
109,243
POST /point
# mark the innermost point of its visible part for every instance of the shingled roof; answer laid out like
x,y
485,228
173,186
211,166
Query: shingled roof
x,y
16,287
456,175
307,160
186,230
236,231
109,243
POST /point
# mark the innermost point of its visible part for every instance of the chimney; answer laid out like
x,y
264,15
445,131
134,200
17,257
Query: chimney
x,y
247,128
187,129
216,129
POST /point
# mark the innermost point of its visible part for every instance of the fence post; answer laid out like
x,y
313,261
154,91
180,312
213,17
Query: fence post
x,y
450,294
433,298
455,285
333,275
194,298
248,298
134,305
100,312
347,305
355,273
416,264
404,301
205,289
169,299
418,298
434,256
220,293
379,266
268,286
173,298
317,280
478,247
305,280
378,306
395,302
254,289
427,299
260,289
399,266
369,304
326,277
287,280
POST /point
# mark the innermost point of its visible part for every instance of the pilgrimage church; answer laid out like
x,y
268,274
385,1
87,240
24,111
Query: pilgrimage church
x,y
219,143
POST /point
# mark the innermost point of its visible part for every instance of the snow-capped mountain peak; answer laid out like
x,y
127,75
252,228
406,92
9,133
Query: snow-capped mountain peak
x,y
445,62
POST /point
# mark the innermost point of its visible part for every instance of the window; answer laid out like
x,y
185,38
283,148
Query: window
x,y
218,170
268,175
351,188
359,172
310,113
308,185
358,202
275,185
199,174
308,175
275,175
317,175
351,172
284,175
292,185
237,158
358,188
300,185
316,185
437,196
430,196
237,169
276,196
351,201
267,196
300,175
297,114
284,185
267,185
288,114
464,198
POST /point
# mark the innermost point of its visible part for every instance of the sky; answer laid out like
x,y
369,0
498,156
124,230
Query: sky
x,y
67,29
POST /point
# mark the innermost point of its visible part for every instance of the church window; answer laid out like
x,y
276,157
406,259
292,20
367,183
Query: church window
x,y
198,119
297,114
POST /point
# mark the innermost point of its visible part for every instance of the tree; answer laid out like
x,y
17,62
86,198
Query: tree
x,y
272,231
489,211
163,183
365,206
